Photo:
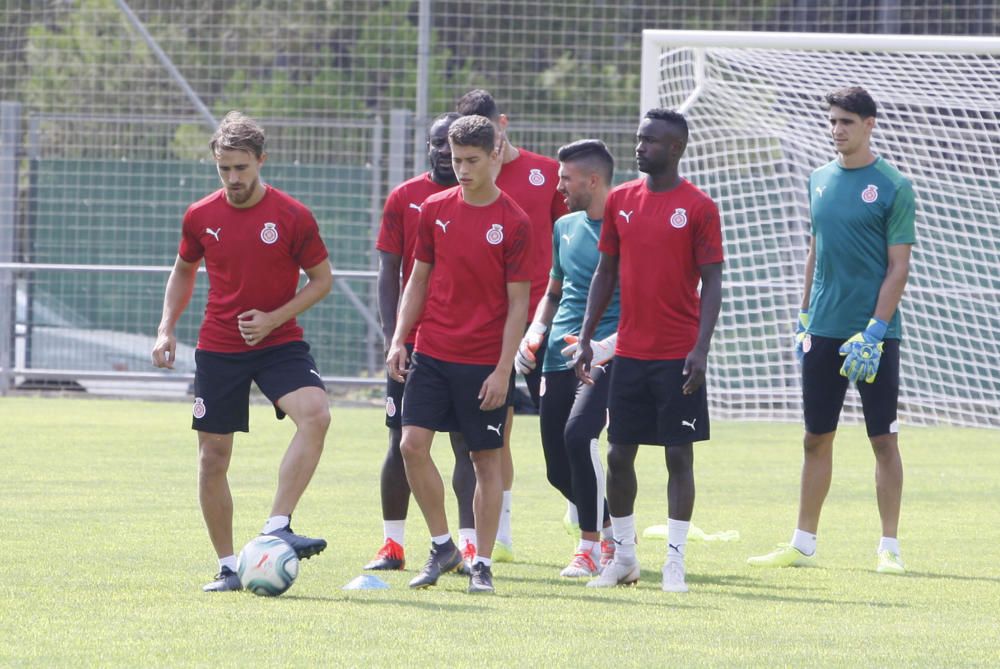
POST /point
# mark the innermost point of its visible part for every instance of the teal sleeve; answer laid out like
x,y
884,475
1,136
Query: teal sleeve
x,y
899,228
556,271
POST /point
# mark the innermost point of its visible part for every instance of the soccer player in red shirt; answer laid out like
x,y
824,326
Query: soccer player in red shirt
x,y
531,180
254,240
661,236
396,240
470,282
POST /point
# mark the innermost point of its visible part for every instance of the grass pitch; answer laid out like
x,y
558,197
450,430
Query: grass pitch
x,y
105,554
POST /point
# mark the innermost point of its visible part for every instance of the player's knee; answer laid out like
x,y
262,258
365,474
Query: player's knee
x,y
818,444
620,460
213,458
412,451
680,459
885,446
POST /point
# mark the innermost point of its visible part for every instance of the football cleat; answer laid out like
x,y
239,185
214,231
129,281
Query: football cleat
x,y
785,555
582,565
441,560
616,573
673,577
890,563
481,579
468,555
607,553
304,547
389,558
225,581
503,552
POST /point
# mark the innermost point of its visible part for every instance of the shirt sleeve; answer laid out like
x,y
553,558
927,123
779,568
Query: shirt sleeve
x,y
708,236
608,243
900,227
390,232
310,251
190,248
517,249
556,272
424,248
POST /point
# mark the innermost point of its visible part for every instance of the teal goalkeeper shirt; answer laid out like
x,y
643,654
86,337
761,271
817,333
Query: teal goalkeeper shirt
x,y
857,214
574,259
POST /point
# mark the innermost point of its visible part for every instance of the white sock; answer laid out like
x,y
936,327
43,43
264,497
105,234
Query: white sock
x,y
228,561
394,529
607,533
276,523
442,539
466,536
677,532
573,513
890,544
503,531
624,529
804,541
485,560
588,547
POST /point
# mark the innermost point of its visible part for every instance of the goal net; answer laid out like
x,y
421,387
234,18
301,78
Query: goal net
x,y
758,128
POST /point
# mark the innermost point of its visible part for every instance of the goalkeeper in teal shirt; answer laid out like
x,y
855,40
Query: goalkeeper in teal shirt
x,y
849,325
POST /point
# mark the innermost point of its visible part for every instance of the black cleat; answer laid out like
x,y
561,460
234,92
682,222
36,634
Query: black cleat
x,y
304,547
481,580
389,558
225,581
441,560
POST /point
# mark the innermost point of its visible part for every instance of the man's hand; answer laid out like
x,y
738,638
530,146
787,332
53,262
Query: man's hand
x,y
583,356
694,369
255,325
602,350
165,350
801,325
493,392
396,362
524,361
863,352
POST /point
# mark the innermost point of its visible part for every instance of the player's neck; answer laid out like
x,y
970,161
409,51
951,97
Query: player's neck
x,y
595,211
483,196
860,158
510,153
664,181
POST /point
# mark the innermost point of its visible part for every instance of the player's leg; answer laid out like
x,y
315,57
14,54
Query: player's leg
x,y
505,533
463,484
823,391
288,376
393,488
427,408
879,401
554,409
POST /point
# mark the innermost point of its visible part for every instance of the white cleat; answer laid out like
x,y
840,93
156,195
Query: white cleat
x,y
673,577
617,573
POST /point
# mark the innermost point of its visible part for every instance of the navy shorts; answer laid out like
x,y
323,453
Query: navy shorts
x,y
824,389
222,383
444,397
394,397
647,406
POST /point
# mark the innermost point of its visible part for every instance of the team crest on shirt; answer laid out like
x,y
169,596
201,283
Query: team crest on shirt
x,y
269,234
536,178
870,194
679,218
198,410
390,407
495,234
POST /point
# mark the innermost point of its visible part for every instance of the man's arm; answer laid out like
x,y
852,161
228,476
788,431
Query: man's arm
x,y
493,392
176,297
525,360
807,281
602,289
711,302
255,324
388,294
896,275
410,308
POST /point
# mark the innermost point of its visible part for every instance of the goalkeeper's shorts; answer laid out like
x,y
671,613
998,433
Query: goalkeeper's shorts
x,y
394,397
824,389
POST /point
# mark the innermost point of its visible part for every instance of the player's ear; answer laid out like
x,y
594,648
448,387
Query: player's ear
x,y
260,161
502,122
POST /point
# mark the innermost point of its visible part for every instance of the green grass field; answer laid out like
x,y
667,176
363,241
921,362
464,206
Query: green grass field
x,y
105,554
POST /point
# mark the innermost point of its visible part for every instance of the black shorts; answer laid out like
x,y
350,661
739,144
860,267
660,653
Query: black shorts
x,y
444,397
646,404
394,397
222,383
823,388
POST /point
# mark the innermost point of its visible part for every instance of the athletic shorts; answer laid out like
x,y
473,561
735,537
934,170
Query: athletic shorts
x,y
444,397
647,406
823,388
394,397
222,383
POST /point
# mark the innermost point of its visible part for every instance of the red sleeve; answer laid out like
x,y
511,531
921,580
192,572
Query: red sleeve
x,y
609,229
708,236
310,249
517,249
190,249
390,232
424,249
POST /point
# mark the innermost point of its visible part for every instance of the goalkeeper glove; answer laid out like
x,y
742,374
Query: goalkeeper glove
x,y
864,352
801,325
524,361
603,350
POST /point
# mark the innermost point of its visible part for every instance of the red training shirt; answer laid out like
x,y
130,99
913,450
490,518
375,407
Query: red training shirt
x,y
475,253
253,257
398,232
662,240
531,180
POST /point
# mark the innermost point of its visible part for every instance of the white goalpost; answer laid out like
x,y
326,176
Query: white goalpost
x,y
758,128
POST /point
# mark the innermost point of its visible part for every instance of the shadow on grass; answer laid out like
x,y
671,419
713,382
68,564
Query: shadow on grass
x,y
749,588
354,598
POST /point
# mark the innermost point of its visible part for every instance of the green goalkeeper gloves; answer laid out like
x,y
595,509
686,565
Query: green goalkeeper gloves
x,y
863,352
801,325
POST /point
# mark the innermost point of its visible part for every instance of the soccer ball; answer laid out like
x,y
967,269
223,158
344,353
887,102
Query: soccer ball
x,y
267,566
